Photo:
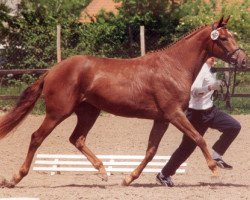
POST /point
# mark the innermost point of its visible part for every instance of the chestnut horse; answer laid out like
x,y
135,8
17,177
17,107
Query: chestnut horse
x,y
155,86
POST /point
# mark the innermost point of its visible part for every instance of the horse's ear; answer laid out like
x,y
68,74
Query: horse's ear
x,y
220,23
226,20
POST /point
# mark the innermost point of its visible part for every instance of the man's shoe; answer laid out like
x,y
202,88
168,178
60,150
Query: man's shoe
x,y
220,163
166,181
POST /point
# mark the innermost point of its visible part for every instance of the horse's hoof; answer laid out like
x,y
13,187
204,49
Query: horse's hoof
x,y
9,185
215,174
212,165
104,177
4,183
127,180
124,183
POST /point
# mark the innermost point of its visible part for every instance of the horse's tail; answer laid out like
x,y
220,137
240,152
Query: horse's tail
x,y
24,105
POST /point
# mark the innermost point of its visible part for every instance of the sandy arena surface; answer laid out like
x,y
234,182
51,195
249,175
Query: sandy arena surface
x,y
117,135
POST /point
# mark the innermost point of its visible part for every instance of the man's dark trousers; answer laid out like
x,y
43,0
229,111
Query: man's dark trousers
x,y
202,120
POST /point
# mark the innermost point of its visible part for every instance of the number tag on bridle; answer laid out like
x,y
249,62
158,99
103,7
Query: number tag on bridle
x,y
214,34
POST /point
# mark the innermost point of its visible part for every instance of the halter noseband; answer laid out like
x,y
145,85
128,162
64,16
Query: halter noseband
x,y
229,55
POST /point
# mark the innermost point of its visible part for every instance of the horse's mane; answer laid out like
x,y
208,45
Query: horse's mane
x,y
185,36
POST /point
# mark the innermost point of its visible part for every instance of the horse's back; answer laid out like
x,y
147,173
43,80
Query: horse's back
x,y
85,70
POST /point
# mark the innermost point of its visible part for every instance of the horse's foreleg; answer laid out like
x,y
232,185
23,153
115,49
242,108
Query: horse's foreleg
x,y
86,117
36,139
181,122
158,130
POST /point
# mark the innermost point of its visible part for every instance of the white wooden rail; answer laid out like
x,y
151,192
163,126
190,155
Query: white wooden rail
x,y
113,163
19,198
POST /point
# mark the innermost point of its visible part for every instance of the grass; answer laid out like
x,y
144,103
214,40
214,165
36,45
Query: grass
x,y
240,105
16,89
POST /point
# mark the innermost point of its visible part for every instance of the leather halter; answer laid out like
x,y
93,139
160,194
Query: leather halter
x,y
233,61
229,54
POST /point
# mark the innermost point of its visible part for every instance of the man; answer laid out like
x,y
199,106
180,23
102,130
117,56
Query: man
x,y
203,115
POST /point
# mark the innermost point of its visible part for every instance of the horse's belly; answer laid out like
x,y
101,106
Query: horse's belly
x,y
131,112
124,107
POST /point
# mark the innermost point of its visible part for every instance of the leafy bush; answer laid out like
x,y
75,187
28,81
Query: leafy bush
x,y
197,13
30,35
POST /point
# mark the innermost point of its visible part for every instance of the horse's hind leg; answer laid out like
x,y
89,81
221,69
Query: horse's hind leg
x,y
158,130
180,121
86,117
36,139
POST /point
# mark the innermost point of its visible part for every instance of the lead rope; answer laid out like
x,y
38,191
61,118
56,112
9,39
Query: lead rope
x,y
227,94
234,82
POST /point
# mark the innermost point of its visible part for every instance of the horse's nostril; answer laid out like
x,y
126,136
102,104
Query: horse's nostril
x,y
244,63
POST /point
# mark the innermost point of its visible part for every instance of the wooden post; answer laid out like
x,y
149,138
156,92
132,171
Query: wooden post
x,y
130,34
142,39
227,75
58,43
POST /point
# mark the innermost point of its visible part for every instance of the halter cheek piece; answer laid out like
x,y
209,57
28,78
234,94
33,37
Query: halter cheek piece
x,y
215,36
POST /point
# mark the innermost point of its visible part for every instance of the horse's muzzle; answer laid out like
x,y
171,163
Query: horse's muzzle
x,y
239,59
244,63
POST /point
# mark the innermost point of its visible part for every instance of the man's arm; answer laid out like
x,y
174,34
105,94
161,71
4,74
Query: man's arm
x,y
200,91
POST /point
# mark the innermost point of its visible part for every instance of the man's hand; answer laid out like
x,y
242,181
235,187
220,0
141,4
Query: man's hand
x,y
216,85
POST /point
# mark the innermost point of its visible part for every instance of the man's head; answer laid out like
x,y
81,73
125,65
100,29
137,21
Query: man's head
x,y
211,61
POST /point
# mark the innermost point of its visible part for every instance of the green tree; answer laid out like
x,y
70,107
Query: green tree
x,y
30,35
118,36
197,13
158,17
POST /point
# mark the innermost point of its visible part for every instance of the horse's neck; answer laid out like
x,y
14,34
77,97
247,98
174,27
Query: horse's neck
x,y
189,54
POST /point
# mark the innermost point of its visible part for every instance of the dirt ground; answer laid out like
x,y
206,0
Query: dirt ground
x,y
117,135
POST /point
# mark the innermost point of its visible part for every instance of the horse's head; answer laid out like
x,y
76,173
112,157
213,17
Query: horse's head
x,y
223,45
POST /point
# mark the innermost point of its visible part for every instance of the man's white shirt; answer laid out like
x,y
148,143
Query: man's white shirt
x,y
200,95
